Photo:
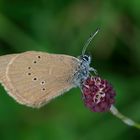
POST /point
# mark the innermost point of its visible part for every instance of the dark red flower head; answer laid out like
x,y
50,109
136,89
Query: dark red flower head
x,y
98,94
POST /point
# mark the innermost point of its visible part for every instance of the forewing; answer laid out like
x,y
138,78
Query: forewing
x,y
34,78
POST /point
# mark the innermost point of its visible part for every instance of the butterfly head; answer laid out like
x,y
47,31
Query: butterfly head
x,y
85,59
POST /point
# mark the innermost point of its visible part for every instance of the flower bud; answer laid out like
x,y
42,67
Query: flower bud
x,y
98,94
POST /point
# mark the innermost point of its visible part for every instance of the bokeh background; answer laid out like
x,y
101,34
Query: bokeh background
x,y
63,26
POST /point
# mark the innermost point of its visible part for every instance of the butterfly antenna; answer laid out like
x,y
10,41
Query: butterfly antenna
x,y
89,41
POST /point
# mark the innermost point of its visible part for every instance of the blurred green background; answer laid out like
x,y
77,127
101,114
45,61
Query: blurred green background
x,y
63,26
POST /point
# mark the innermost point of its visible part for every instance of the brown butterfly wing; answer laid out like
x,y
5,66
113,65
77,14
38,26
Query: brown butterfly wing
x,y
34,78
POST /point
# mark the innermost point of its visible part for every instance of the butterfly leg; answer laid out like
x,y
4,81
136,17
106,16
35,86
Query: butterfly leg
x,y
94,70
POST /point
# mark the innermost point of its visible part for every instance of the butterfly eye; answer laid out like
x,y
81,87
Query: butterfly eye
x,y
86,58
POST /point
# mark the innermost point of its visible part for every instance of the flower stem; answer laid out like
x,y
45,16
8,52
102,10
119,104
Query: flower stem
x,y
125,119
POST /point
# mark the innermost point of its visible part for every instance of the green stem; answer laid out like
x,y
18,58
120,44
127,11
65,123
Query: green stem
x,y
125,119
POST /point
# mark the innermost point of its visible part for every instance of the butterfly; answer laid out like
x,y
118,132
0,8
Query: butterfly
x,y
34,78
